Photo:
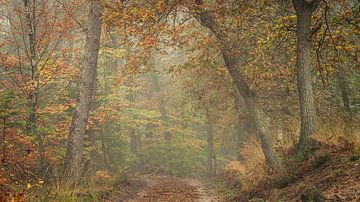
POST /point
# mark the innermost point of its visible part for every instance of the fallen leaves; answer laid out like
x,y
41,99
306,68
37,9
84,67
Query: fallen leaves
x,y
169,190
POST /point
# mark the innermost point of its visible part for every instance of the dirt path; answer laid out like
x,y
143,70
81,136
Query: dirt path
x,y
173,189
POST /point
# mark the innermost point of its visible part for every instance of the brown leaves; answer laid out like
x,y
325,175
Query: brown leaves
x,y
169,190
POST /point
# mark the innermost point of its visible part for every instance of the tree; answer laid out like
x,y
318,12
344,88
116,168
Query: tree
x,y
304,11
34,94
229,55
74,151
211,160
31,57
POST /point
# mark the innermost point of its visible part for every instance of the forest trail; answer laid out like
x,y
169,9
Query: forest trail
x,y
164,189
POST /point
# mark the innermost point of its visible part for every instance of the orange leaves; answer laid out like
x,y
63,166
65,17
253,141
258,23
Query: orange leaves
x,y
2,177
56,109
8,61
108,112
149,42
147,15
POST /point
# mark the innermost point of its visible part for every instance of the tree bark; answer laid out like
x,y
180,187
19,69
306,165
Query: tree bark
x,y
244,128
210,150
135,138
104,148
74,152
161,104
304,11
255,113
3,142
344,89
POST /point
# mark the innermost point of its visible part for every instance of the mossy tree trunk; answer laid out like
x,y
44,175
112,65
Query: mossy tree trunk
x,y
304,11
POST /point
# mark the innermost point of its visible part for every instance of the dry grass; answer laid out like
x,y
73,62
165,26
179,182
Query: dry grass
x,y
335,132
252,170
340,133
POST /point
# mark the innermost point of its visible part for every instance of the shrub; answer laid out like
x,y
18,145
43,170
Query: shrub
x,y
121,180
248,173
102,177
312,195
338,173
320,159
284,180
354,157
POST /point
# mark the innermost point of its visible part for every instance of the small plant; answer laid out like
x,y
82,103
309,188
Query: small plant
x,y
301,186
338,173
354,157
120,180
320,160
256,200
312,195
284,180
230,193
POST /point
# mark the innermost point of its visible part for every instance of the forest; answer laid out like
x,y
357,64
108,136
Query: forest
x,y
180,100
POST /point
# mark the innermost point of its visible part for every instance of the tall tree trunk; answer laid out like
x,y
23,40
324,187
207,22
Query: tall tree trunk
x,y
344,94
104,147
244,128
344,89
164,116
135,138
3,142
34,94
304,10
210,150
161,105
255,113
74,151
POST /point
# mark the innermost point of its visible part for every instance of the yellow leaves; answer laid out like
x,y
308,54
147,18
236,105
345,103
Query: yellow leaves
x,y
113,52
290,17
221,71
29,185
161,6
339,47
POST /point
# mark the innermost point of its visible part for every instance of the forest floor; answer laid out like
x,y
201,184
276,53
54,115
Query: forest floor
x,y
163,188
335,174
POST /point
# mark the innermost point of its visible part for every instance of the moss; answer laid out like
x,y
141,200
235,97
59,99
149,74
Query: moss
x,y
305,149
